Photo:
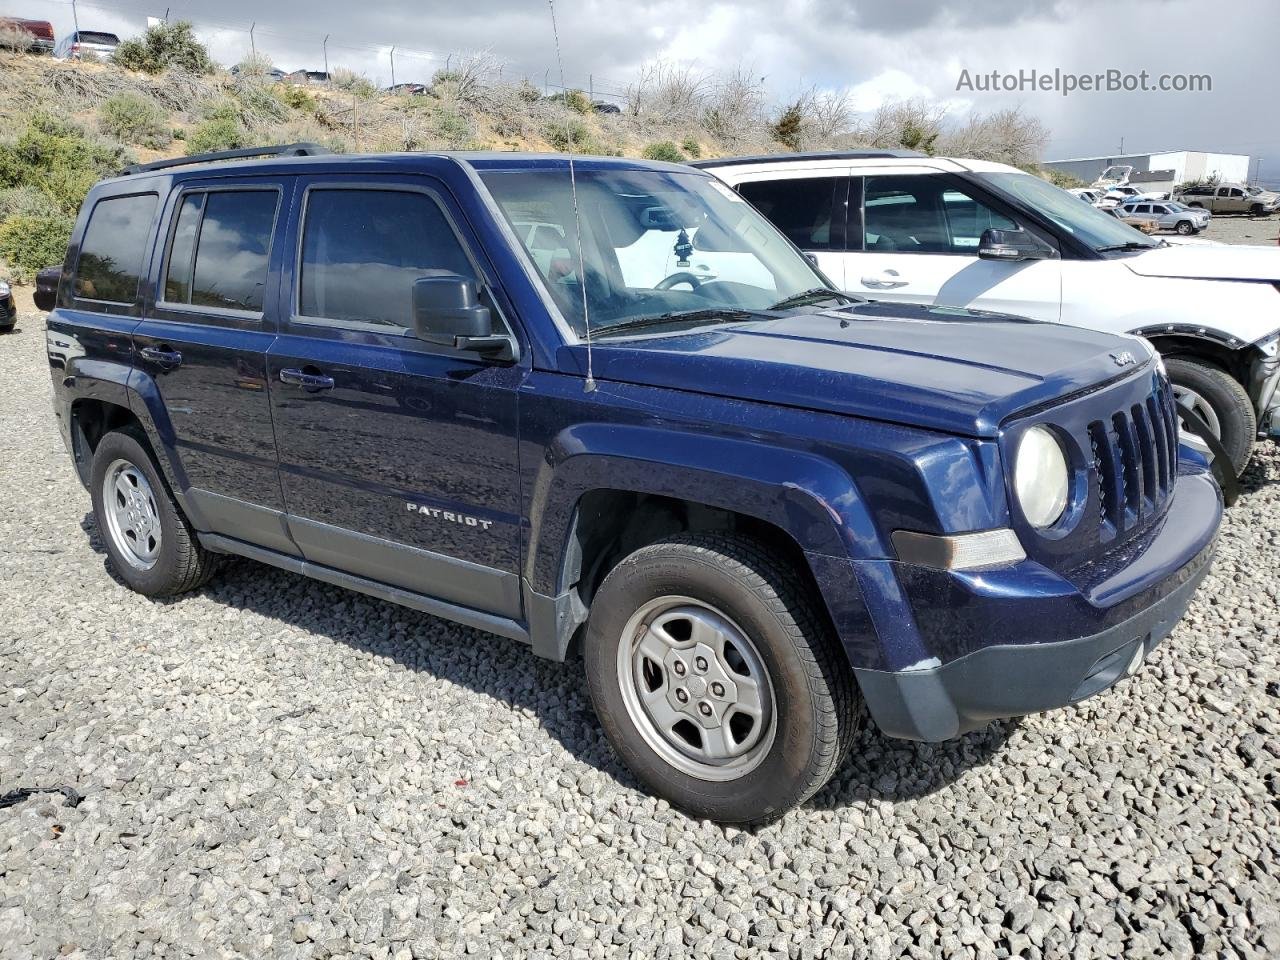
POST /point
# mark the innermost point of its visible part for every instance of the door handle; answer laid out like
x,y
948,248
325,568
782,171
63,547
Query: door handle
x,y
162,357
885,280
308,381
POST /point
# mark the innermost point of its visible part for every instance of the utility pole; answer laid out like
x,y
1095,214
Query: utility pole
x,y
75,17
326,56
393,68
1121,148
253,46
1257,173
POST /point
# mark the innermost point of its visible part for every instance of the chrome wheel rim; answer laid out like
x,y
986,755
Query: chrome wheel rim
x,y
696,688
132,517
1188,399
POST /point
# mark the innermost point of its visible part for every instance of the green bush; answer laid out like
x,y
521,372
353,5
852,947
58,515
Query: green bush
x,y
692,147
356,84
451,127
575,100
162,46
789,128
58,159
663,150
296,97
26,201
29,244
571,134
134,118
222,129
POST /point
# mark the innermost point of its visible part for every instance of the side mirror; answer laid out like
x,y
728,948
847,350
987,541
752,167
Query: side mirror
x,y
447,311
1012,245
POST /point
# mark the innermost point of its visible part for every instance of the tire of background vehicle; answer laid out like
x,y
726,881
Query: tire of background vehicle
x,y
181,564
1257,210
1234,410
1185,228
814,704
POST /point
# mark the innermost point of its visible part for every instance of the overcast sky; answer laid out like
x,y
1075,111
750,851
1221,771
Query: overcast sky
x,y
885,49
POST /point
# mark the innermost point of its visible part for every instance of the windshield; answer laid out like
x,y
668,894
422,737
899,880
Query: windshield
x,y
1086,223
653,244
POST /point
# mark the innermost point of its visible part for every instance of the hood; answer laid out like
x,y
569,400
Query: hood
x,y
1220,262
959,371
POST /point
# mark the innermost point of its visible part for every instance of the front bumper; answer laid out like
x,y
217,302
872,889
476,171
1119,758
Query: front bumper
x,y
935,701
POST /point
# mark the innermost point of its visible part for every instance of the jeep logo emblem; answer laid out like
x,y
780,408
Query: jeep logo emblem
x,y
1123,358
449,516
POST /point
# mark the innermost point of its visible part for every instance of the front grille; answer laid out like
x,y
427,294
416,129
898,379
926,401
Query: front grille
x,y
1135,461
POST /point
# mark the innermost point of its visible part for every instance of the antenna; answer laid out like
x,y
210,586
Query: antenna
x,y
590,385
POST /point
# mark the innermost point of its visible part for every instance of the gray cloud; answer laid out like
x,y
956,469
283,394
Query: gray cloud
x,y
907,47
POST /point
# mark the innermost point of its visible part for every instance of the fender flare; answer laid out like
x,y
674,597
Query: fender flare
x,y
812,500
135,391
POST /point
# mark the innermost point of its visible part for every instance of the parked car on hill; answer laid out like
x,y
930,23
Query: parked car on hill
x,y
1166,215
81,44
408,89
307,76
752,503
35,36
967,233
8,306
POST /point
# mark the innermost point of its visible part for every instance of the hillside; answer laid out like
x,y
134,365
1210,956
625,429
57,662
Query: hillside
x,y
63,125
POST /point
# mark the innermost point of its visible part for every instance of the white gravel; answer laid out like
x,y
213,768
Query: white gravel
x,y
273,767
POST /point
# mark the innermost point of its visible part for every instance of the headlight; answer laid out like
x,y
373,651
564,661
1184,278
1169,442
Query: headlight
x,y
4,289
1040,477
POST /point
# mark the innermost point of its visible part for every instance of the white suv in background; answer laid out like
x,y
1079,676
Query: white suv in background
x,y
897,225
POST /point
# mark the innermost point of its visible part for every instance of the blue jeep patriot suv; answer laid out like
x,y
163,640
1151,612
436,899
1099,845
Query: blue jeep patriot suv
x,y
610,408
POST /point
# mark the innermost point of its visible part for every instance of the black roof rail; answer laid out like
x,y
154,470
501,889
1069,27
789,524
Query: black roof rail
x,y
809,155
276,150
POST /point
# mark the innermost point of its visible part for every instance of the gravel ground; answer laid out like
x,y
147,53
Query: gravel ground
x,y
277,767
1239,229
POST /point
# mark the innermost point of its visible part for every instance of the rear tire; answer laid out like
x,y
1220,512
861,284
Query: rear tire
x,y
681,634
149,542
1221,402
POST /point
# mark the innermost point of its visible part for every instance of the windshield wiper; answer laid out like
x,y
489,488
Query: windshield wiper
x,y
1130,245
812,295
677,316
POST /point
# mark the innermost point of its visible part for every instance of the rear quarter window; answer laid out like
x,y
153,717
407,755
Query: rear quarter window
x,y
112,248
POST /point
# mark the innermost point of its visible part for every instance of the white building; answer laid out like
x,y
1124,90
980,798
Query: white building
x,y
1162,170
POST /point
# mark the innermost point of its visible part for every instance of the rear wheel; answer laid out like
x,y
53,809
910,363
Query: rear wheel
x,y
717,677
1217,399
150,544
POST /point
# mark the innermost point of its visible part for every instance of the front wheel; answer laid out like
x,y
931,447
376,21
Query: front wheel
x,y
717,677
1185,227
1215,396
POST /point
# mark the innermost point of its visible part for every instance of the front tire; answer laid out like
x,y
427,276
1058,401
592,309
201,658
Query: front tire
x,y
1220,401
1185,227
149,542
718,679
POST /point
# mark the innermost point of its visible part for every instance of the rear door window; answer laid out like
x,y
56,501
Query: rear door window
x,y
800,208
220,250
111,251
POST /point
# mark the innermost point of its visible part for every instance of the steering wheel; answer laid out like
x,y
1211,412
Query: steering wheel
x,y
684,276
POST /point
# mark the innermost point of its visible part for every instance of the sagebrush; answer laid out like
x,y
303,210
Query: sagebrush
x,y
163,46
